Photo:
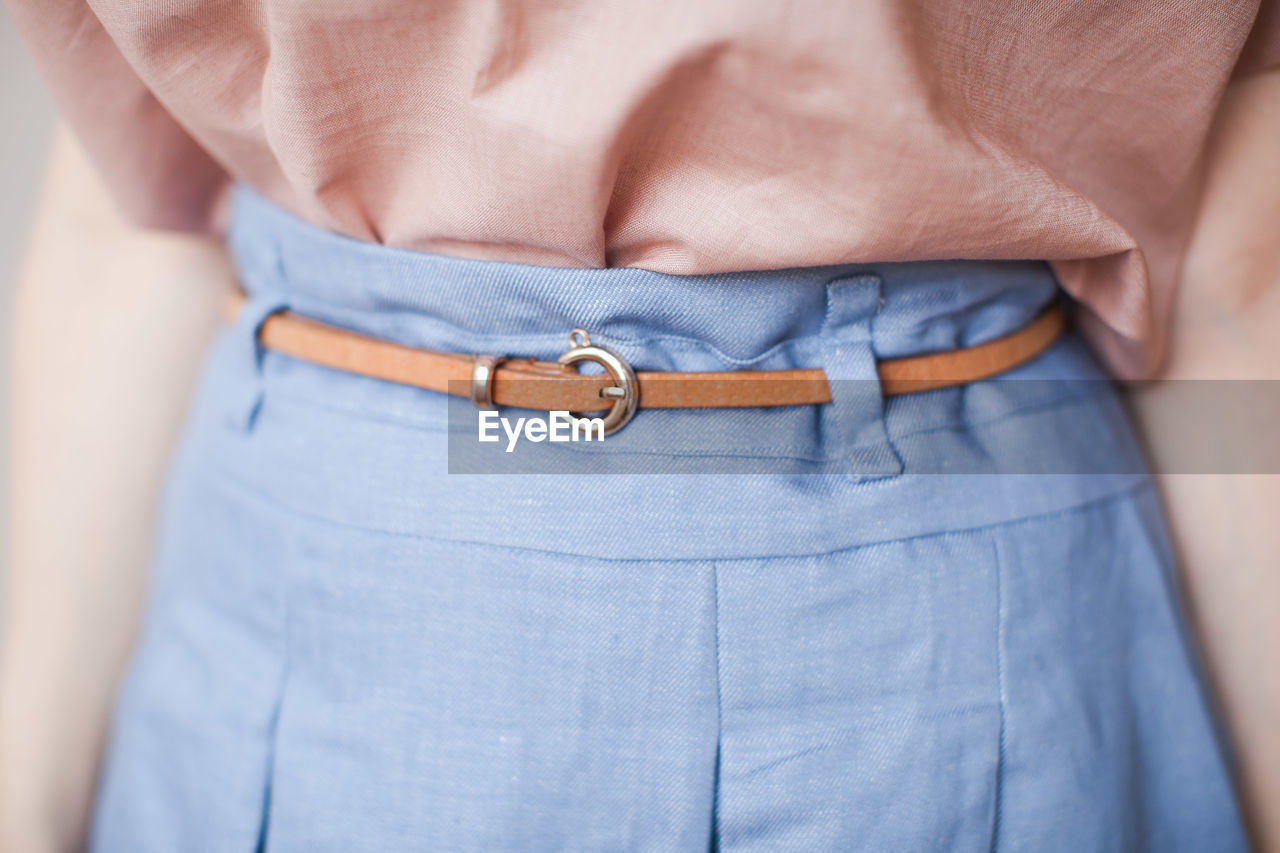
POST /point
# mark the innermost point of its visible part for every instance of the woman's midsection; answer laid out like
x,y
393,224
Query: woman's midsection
x,y
708,483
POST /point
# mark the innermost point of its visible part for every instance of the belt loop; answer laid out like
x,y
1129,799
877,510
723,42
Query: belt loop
x,y
853,426
245,396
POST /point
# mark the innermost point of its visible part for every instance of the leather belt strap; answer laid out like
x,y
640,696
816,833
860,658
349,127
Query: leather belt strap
x,y
548,386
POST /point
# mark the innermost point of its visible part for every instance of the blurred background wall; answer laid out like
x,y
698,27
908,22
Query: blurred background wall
x,y
26,126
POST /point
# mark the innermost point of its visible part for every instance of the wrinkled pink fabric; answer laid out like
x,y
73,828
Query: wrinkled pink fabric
x,y
685,137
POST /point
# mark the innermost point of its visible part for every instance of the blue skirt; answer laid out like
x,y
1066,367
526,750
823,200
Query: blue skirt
x,y
866,631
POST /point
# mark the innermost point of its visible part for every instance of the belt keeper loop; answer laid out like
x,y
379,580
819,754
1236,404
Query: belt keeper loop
x,y
853,423
482,370
247,391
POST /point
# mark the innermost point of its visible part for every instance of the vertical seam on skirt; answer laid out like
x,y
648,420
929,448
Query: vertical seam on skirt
x,y
715,778
273,725
1001,689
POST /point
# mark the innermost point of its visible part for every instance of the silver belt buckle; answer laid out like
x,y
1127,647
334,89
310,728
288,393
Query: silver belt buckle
x,y
625,390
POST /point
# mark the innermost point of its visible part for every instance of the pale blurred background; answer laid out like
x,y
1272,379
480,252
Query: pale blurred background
x,y
27,125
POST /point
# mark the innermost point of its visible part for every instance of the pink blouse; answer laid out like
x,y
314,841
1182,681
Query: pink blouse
x,y
686,137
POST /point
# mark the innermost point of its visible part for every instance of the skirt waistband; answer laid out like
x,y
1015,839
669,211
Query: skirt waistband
x,y
658,321
374,455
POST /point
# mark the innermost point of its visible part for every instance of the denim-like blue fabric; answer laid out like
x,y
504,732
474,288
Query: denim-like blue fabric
x,y
349,648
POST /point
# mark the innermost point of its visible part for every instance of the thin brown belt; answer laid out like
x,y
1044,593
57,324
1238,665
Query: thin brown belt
x,y
551,386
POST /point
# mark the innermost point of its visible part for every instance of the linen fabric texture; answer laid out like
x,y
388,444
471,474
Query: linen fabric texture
x,y
680,137
349,648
